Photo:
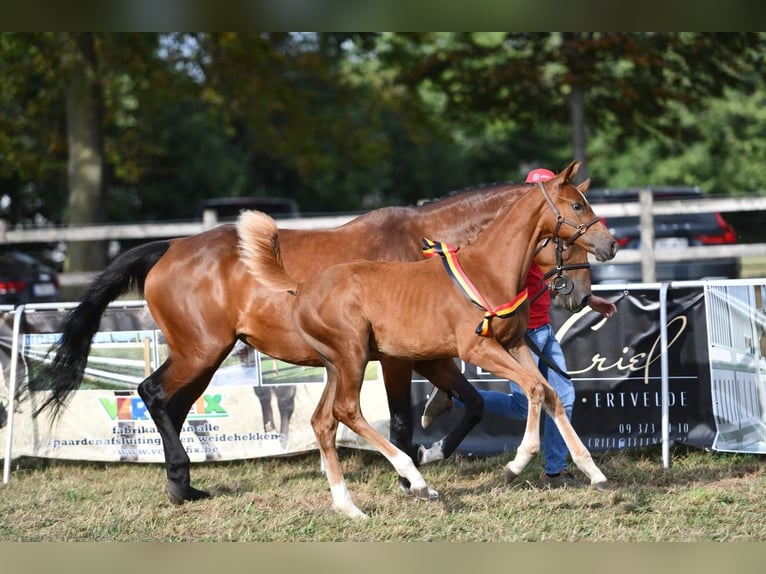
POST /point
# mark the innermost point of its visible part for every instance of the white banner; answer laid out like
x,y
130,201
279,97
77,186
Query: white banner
x,y
255,405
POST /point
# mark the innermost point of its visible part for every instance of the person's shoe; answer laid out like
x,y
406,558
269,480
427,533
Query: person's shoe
x,y
437,404
563,480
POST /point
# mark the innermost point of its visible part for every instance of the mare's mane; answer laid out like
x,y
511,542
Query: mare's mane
x,y
448,200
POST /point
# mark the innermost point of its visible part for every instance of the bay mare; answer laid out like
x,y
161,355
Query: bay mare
x,y
203,300
354,312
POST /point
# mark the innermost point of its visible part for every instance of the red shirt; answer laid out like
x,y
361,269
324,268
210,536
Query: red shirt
x,y
538,311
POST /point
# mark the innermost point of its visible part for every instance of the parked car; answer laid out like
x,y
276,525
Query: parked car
x,y
23,279
229,207
670,232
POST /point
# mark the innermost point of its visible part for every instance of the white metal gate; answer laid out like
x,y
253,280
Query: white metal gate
x,y
735,321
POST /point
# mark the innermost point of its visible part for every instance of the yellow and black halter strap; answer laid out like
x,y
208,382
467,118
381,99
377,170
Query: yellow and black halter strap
x,y
448,255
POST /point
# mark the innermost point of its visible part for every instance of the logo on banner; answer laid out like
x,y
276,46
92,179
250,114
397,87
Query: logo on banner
x,y
132,408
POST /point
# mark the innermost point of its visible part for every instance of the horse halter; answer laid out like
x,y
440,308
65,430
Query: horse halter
x,y
561,284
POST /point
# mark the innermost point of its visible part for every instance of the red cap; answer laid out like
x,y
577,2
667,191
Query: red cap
x,y
539,174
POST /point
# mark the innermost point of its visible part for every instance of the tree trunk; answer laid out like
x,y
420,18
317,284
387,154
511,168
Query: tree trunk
x,y
579,134
577,63
85,140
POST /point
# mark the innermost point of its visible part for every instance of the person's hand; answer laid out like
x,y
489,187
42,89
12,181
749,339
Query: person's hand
x,y
603,306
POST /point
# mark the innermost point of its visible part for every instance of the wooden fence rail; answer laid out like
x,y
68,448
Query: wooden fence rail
x,y
646,209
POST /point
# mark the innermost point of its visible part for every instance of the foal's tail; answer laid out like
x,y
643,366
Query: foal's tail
x,y
259,251
64,373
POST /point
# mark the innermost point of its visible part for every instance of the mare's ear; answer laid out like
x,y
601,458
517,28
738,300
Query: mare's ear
x,y
583,187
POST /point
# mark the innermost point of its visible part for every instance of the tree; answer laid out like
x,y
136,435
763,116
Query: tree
x,y
84,94
32,139
586,79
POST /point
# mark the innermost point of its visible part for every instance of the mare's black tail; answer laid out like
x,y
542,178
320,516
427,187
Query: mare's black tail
x,y
65,372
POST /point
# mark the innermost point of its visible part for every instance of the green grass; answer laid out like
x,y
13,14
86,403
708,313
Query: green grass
x,y
703,497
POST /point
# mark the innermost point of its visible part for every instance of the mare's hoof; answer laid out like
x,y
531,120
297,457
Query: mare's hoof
x,y
432,454
178,494
425,493
602,486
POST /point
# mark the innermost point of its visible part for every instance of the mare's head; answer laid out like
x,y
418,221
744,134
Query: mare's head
x,y
566,274
570,218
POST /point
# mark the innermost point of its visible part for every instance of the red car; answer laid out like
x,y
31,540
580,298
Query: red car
x,y
23,279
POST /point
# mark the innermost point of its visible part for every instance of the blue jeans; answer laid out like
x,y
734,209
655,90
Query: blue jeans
x,y
514,405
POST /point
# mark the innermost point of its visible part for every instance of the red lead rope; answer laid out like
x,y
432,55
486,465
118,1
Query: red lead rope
x,y
448,254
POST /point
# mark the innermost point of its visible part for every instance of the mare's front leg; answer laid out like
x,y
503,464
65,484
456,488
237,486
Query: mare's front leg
x,y
445,374
397,377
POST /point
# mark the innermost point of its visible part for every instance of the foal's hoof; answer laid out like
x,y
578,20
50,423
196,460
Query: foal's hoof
x,y
510,476
178,494
425,493
602,486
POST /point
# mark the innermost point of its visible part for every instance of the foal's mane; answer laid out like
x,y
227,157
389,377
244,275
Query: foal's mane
x,y
466,192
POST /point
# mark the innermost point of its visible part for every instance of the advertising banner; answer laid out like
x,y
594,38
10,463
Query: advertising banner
x,y
254,406
259,406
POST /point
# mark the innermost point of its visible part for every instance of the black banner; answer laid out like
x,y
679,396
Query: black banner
x,y
615,365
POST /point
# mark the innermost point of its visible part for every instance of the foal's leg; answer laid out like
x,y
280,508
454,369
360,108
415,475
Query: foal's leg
x,y
553,406
445,374
518,365
325,427
350,365
580,454
492,357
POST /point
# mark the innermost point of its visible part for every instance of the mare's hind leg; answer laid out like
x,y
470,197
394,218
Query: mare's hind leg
x,y
169,413
446,375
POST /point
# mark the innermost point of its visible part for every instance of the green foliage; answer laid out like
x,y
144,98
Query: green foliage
x,y
354,121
